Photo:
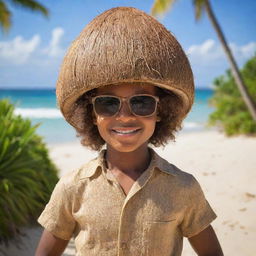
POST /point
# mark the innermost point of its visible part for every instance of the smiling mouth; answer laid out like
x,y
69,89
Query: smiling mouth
x,y
126,131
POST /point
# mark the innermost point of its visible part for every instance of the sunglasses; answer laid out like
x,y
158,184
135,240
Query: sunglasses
x,y
143,105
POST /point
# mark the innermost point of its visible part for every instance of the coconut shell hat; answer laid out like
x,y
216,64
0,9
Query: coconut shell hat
x,y
123,45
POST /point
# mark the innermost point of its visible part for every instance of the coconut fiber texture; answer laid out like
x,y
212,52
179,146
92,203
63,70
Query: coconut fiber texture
x,y
123,45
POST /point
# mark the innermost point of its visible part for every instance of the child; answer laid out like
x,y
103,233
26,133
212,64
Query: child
x,y
126,83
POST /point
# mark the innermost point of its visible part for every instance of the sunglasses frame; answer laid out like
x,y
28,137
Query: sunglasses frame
x,y
125,99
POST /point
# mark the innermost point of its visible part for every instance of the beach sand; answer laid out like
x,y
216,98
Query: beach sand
x,y
225,168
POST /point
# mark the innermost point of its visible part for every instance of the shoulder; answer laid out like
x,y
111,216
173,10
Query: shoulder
x,y
173,171
177,177
182,176
180,184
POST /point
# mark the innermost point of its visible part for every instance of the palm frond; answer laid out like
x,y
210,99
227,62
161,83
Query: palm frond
x,y
32,5
27,175
5,16
199,7
161,6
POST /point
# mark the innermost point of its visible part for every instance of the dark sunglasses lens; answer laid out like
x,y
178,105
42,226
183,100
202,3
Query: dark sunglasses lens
x,y
106,106
143,105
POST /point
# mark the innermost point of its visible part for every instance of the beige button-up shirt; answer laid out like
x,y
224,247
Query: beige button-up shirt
x,y
164,205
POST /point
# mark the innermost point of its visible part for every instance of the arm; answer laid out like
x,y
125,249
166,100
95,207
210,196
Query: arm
x,y
50,245
206,243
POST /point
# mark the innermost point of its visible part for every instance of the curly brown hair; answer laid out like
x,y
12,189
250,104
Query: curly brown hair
x,y
169,110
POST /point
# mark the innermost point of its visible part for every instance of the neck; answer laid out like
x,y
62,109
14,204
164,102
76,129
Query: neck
x,y
128,162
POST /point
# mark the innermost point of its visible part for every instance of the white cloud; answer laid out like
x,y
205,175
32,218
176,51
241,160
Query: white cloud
x,y
203,48
207,51
18,50
54,49
244,51
210,51
209,61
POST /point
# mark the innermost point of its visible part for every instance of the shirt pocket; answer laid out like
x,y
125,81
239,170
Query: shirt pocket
x,y
158,237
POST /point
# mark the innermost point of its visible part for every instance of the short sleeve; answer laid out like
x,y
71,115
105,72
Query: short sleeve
x,y
198,214
57,216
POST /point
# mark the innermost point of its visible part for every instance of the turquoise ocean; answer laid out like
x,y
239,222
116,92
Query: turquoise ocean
x,y
40,107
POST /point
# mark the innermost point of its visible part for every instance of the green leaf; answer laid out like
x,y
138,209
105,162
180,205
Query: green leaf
x,y
27,175
161,6
32,5
5,16
231,113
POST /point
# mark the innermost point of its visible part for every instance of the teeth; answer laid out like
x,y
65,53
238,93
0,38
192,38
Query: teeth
x,y
125,132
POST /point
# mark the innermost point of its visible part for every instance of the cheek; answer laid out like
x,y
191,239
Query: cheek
x,y
98,120
101,124
150,124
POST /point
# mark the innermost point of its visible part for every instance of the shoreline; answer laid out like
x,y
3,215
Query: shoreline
x,y
225,169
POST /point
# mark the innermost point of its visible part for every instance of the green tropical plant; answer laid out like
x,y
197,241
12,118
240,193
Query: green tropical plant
x,y
204,6
5,13
231,113
27,175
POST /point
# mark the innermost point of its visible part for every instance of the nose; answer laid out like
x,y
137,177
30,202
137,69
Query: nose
x,y
125,111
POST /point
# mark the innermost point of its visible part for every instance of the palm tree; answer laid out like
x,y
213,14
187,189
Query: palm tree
x,y
5,13
161,6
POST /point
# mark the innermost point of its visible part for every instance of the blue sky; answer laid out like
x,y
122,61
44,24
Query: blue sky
x,y
31,53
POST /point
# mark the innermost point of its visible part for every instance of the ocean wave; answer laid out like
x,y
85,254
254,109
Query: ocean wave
x,y
39,112
54,113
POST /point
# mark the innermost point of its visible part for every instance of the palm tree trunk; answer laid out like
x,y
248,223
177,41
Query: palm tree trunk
x,y
237,76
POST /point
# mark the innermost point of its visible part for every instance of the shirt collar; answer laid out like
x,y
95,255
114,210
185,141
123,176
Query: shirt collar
x,y
94,165
98,163
161,164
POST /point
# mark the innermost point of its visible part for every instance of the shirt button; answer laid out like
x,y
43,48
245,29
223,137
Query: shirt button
x,y
124,245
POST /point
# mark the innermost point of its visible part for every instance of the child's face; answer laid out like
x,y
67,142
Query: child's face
x,y
126,132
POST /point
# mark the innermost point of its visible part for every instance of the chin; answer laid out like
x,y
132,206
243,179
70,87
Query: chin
x,y
128,148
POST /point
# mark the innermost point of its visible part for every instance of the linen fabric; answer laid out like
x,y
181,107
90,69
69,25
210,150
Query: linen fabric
x,y
164,205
